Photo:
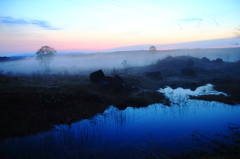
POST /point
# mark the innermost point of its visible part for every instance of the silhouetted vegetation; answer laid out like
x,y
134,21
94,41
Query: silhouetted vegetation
x,y
154,75
206,59
126,66
152,48
45,56
218,60
4,58
190,63
188,72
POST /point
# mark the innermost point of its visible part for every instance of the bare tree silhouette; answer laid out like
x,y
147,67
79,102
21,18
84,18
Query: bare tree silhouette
x,y
45,55
126,66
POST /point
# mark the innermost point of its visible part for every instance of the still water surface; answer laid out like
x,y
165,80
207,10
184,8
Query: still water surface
x,y
130,133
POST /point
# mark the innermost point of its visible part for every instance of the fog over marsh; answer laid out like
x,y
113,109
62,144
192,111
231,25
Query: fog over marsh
x,y
85,63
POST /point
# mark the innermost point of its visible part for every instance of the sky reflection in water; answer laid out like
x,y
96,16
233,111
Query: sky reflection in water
x,y
117,133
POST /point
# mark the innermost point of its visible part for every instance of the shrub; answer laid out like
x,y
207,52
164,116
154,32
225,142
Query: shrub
x,y
188,72
218,60
190,63
204,59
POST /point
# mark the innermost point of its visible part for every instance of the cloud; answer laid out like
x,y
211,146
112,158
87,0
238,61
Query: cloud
x,y
39,23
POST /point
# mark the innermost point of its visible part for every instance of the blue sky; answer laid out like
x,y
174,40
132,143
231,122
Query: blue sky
x,y
95,25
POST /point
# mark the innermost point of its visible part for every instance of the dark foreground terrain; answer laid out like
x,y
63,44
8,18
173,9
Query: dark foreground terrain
x,y
35,103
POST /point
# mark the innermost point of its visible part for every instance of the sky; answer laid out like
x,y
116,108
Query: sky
x,y
97,25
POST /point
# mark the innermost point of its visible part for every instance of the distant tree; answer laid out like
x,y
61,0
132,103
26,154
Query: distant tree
x,y
126,66
45,56
152,48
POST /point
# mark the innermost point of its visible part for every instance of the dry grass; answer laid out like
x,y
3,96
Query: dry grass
x,y
34,103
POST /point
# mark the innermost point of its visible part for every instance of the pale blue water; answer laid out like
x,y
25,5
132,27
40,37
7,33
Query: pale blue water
x,y
133,132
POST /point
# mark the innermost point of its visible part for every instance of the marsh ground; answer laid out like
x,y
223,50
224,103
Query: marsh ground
x,y
33,103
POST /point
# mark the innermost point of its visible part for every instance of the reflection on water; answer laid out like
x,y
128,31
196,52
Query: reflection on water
x,y
130,132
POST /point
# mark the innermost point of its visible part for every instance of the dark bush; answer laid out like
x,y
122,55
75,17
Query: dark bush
x,y
188,72
4,58
169,72
204,59
190,63
154,75
218,60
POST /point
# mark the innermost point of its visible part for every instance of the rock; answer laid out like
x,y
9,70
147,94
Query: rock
x,y
120,86
97,76
107,82
108,79
118,80
154,75
116,83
